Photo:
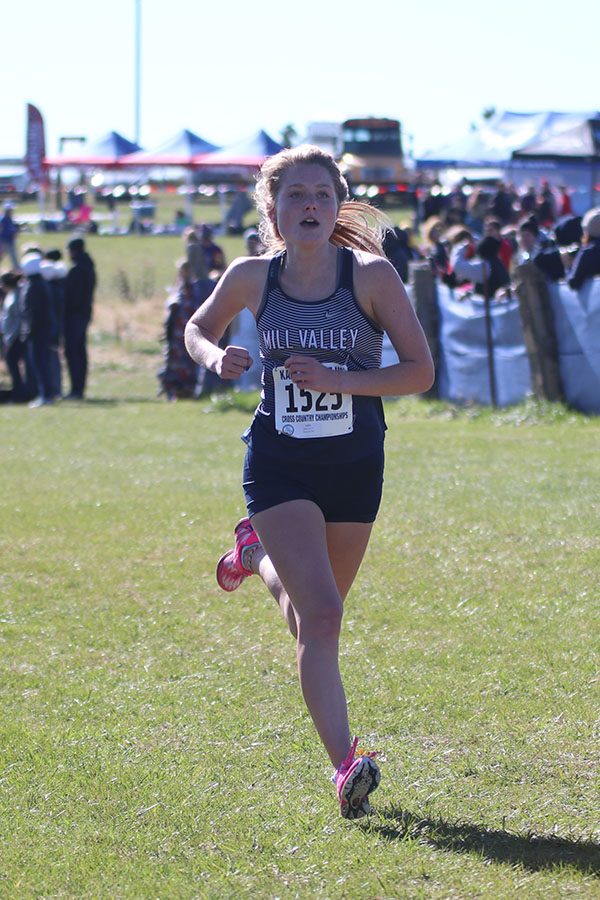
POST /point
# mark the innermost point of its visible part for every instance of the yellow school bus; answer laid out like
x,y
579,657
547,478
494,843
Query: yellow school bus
x,y
372,155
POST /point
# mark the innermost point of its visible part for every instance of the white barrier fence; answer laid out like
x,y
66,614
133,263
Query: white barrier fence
x,y
463,371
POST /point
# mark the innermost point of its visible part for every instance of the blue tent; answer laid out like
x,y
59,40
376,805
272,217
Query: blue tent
x,y
179,150
106,151
251,152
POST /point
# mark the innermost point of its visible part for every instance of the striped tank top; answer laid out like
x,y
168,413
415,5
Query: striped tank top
x,y
336,331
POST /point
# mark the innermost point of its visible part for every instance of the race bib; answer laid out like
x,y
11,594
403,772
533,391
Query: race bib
x,y
301,413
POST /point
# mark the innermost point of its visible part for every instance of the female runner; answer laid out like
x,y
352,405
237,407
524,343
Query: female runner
x,y
313,474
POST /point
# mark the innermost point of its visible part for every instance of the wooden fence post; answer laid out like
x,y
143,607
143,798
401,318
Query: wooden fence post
x,y
426,307
539,331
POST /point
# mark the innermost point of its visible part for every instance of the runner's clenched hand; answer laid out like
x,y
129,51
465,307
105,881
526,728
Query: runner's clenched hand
x,y
233,362
308,372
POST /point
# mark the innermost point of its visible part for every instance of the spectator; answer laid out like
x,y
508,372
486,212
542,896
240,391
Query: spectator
x,y
509,233
179,376
81,216
181,220
54,272
253,242
14,347
546,209
31,248
568,234
37,328
456,205
8,235
492,226
240,205
80,284
213,254
111,206
438,254
457,236
565,207
477,207
397,249
195,255
587,261
485,269
540,250
528,201
568,231
501,204
432,202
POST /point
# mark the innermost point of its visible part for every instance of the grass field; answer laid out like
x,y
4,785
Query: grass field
x,y
153,739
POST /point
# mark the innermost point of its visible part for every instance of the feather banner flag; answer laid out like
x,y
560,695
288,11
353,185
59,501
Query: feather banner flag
x,y
35,150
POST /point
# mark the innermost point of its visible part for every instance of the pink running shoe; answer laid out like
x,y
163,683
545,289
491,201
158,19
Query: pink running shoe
x,y
354,780
230,571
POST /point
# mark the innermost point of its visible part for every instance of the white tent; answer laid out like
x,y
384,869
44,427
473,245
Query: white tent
x,y
570,157
495,142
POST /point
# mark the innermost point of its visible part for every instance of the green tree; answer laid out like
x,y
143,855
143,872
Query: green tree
x,y
486,114
288,136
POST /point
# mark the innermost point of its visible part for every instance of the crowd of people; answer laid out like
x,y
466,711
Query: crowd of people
x,y
470,205
469,253
45,312
46,309
475,238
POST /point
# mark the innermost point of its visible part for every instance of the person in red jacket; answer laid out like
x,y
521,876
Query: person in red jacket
x,y
565,207
493,228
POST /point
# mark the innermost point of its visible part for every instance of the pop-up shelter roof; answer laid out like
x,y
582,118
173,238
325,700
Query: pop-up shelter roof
x,y
496,141
578,143
180,150
106,151
250,152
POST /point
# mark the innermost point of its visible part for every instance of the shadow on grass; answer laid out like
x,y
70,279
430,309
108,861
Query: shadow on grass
x,y
533,852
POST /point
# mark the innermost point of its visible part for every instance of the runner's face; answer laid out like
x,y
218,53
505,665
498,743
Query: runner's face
x,y
306,207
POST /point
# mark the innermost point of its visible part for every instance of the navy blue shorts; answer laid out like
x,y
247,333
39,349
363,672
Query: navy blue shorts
x,y
344,492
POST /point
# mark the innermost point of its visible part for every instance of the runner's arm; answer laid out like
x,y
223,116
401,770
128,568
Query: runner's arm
x,y
235,290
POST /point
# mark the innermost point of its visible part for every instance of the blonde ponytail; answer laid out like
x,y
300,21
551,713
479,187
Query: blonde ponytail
x,y
359,225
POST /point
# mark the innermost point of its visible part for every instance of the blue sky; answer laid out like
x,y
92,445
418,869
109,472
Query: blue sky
x,y
226,68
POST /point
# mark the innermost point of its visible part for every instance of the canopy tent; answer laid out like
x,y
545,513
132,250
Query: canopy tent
x,y
570,157
248,153
179,150
582,141
106,151
496,141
